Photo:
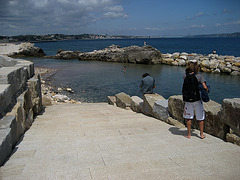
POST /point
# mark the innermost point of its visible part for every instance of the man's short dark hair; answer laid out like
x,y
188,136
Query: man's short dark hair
x,y
145,75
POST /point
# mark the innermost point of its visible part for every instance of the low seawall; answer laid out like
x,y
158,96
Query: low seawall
x,y
20,101
221,120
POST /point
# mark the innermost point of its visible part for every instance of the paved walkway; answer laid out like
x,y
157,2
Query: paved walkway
x,y
99,141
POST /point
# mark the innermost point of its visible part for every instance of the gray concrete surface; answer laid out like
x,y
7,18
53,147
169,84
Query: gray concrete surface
x,y
100,141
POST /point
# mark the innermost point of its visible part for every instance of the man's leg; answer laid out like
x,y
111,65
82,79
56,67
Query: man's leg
x,y
201,126
189,123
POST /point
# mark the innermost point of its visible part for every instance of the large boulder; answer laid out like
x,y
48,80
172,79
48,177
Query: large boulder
x,y
148,103
28,49
62,54
230,113
213,124
111,100
136,104
123,100
175,107
160,109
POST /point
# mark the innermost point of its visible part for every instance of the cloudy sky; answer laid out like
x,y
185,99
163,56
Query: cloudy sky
x,y
119,17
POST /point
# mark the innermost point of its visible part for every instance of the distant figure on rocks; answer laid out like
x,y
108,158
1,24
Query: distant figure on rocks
x,y
147,84
214,52
145,43
191,96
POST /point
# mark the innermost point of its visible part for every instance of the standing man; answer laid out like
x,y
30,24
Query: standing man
x,y
147,84
191,96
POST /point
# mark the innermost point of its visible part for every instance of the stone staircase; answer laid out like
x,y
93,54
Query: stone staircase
x,y
100,141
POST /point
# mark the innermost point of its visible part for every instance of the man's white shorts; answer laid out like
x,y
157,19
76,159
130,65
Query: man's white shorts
x,y
189,109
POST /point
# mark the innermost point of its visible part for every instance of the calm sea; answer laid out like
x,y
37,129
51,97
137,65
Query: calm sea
x,y
93,81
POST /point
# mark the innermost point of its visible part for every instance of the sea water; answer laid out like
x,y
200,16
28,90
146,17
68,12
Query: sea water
x,y
93,81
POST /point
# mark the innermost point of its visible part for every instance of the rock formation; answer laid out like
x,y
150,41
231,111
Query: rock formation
x,y
28,50
131,54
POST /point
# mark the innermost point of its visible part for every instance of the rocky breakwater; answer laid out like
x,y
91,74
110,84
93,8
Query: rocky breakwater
x,y
114,53
213,63
221,121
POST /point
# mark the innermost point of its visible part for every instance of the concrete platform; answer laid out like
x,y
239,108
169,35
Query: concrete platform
x,y
100,141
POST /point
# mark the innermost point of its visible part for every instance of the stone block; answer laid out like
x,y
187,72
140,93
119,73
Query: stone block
x,y
174,122
136,104
123,100
8,137
148,103
111,100
5,98
213,124
230,113
176,107
160,109
34,90
233,138
46,101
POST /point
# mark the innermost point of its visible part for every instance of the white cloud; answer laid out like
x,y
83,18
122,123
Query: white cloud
x,y
237,22
198,15
197,26
56,14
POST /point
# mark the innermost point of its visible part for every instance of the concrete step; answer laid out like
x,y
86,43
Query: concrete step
x,y
99,141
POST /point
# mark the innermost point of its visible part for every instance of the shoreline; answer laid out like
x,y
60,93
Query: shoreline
x,y
50,94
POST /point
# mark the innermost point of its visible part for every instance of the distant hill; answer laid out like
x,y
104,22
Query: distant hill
x,y
60,37
236,34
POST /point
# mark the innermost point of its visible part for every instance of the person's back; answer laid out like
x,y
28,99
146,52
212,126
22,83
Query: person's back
x,y
147,85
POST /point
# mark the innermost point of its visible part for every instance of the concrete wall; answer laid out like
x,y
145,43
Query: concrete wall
x,y
20,101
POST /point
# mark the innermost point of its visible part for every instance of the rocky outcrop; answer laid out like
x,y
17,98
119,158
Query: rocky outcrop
x,y
213,63
28,50
131,54
63,54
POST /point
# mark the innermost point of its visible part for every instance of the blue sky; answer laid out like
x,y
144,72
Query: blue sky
x,y
170,18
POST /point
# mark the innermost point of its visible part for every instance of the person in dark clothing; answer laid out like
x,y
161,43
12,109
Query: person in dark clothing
x,y
147,84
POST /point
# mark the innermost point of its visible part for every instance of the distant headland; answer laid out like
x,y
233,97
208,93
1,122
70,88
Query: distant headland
x,y
236,34
61,37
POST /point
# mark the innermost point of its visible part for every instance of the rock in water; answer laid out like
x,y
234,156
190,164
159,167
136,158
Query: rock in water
x,y
131,54
28,49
